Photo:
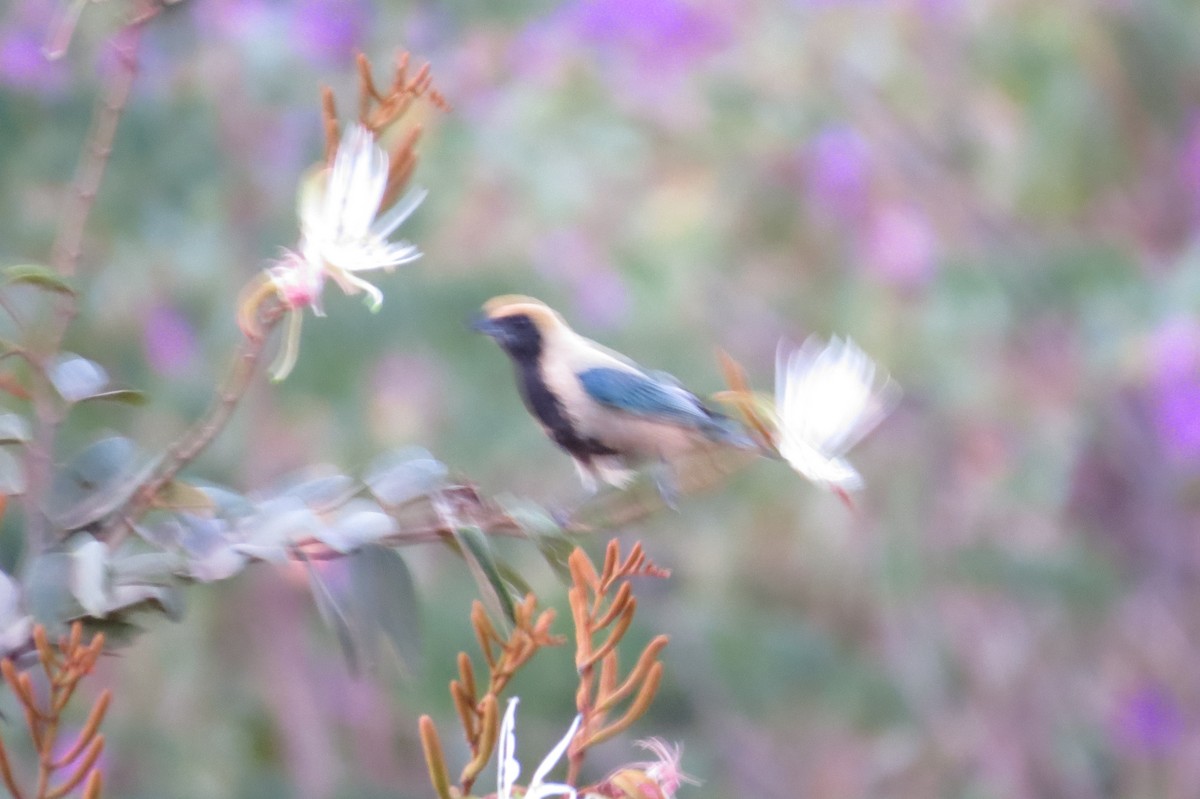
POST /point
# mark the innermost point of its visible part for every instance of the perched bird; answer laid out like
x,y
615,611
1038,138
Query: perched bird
x,y
606,411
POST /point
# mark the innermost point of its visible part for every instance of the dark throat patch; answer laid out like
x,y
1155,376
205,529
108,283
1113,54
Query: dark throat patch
x,y
549,410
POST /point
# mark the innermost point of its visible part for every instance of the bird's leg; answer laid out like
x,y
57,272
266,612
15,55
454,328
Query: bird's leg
x,y
591,486
587,476
664,481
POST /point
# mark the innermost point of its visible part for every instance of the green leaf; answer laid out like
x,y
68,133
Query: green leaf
x,y
547,534
37,275
15,624
10,598
360,522
385,598
474,547
180,496
556,552
166,598
14,428
118,632
90,575
333,616
326,492
76,378
97,481
149,568
403,475
210,553
228,503
47,585
127,396
513,578
280,523
12,475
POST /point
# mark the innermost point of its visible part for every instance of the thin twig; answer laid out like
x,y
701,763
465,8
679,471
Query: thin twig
x,y
491,520
198,436
109,109
47,413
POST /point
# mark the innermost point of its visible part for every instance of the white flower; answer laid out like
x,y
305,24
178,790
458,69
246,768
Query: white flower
x,y
827,397
339,232
339,237
508,769
665,771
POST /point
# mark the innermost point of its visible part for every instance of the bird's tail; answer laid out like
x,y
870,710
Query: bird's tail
x,y
723,430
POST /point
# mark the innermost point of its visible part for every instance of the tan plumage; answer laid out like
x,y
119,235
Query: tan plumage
x,y
572,386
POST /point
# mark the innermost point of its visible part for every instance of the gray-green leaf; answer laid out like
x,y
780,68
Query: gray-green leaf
x,y
90,575
127,396
14,428
403,475
333,616
47,590
76,378
360,522
321,493
96,482
385,598
12,475
475,549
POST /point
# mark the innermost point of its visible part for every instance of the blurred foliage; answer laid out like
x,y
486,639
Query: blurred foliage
x,y
998,200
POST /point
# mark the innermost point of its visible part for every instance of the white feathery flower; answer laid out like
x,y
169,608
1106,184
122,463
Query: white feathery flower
x,y
341,231
508,769
665,771
340,235
827,397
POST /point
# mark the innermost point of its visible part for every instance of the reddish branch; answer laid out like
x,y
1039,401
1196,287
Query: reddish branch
x,y
68,241
65,258
64,666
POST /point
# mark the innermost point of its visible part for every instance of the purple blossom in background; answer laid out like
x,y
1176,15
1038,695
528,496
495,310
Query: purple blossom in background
x,y
901,247
1148,721
938,10
235,19
822,4
541,51
330,31
278,146
601,298
169,341
23,65
837,168
655,34
1175,387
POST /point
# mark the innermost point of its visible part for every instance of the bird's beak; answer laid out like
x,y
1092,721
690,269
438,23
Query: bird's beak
x,y
489,327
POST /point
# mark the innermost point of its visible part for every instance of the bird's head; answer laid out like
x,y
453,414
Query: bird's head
x,y
521,325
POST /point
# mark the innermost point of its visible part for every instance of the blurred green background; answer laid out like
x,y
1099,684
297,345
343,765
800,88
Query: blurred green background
x,y
998,199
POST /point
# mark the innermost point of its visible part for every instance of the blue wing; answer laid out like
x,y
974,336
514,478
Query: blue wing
x,y
640,394
659,396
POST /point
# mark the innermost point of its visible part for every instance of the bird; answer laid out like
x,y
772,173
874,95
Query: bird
x,y
607,412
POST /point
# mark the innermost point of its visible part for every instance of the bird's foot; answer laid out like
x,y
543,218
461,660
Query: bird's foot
x,y
664,481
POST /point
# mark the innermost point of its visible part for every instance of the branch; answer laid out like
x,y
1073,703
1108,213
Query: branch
x,y
64,259
200,434
65,665
67,242
608,614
